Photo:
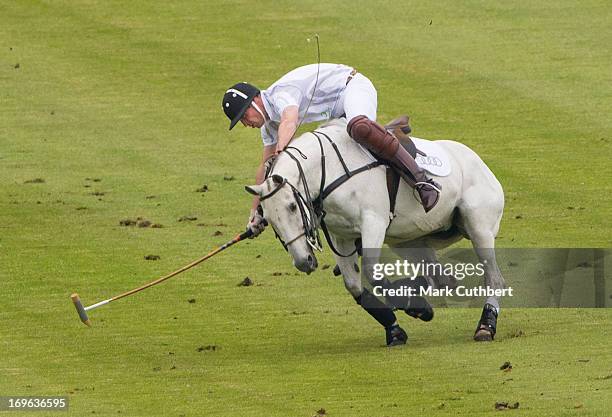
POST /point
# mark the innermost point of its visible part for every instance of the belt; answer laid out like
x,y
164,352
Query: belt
x,y
351,75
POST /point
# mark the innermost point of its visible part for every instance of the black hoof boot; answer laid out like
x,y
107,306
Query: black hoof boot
x,y
396,336
419,308
487,326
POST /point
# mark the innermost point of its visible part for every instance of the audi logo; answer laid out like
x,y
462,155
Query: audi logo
x,y
429,160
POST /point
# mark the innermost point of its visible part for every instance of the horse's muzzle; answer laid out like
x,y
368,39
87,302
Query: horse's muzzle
x,y
307,264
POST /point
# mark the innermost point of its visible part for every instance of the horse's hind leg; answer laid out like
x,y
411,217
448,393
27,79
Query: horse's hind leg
x,y
483,241
420,250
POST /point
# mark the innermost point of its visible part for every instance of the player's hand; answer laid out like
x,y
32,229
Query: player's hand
x,y
256,223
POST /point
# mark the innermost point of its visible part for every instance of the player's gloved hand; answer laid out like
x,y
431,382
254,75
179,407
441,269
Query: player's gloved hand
x,y
256,223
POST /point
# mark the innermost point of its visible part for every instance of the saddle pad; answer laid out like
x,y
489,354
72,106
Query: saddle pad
x,y
436,162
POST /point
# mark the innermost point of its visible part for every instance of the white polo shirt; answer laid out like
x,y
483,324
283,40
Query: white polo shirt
x,y
296,89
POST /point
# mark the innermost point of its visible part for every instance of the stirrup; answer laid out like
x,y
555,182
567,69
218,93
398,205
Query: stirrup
x,y
430,183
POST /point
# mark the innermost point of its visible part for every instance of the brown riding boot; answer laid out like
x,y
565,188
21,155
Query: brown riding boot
x,y
378,140
428,189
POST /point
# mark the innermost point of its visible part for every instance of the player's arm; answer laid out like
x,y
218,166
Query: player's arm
x,y
288,126
268,151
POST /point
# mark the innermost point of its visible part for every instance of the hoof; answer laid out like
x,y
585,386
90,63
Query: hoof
x,y
483,335
487,326
419,308
396,336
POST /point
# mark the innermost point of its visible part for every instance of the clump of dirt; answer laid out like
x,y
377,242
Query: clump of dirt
x,y
144,223
518,217
221,225
157,226
210,348
191,301
98,193
202,189
277,274
150,197
81,208
228,178
218,233
127,222
35,181
326,266
247,282
188,219
499,406
152,257
517,333
506,367
17,66
320,413
259,256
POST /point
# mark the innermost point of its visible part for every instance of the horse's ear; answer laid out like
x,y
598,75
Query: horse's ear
x,y
254,189
277,179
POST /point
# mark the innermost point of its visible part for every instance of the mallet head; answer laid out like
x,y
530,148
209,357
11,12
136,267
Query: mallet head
x,y
80,309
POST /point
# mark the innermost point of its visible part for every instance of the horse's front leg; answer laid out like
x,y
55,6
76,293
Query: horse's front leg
x,y
382,313
373,230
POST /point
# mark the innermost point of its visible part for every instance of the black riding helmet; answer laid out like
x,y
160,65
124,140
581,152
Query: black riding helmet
x,y
237,100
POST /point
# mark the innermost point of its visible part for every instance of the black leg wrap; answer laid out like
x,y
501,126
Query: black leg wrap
x,y
487,326
395,336
415,306
419,308
376,308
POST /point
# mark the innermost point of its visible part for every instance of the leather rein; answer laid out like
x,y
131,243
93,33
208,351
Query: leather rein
x,y
311,210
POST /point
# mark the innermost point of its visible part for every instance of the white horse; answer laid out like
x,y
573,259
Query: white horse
x,y
471,206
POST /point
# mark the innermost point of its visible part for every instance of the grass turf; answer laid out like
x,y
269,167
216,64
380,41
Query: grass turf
x,y
117,108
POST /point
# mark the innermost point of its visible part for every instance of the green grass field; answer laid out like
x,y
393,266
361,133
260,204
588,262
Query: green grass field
x,y
115,108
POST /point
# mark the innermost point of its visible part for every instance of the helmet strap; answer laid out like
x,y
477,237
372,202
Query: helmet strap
x,y
256,107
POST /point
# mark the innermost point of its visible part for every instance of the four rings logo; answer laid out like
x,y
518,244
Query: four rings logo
x,y
429,160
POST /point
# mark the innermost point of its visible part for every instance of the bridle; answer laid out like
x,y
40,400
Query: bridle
x,y
311,210
308,213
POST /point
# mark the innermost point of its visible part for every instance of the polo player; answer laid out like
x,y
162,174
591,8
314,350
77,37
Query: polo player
x,y
313,93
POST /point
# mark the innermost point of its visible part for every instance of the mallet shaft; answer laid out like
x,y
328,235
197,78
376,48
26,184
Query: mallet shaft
x,y
83,310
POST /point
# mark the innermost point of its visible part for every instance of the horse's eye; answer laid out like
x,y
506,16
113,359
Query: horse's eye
x,y
292,207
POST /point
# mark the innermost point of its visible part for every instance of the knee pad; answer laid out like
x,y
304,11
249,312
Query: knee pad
x,y
359,127
372,136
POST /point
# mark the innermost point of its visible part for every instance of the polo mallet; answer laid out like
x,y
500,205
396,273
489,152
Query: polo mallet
x,y
82,310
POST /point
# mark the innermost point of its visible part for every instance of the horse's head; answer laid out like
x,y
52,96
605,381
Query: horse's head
x,y
286,213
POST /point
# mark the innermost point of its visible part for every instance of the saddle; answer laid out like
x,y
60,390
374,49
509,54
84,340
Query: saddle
x,y
400,127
